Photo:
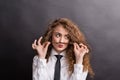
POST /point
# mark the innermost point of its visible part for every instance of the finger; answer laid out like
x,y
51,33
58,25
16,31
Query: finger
x,y
83,46
75,47
34,44
44,44
47,44
87,51
84,51
39,41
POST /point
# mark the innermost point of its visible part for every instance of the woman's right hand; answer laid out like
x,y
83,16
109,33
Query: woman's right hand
x,y
40,48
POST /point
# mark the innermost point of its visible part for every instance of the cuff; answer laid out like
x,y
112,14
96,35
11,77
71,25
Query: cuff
x,y
78,68
42,62
39,62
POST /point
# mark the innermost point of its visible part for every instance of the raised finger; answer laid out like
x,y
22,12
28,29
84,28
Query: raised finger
x,y
39,40
35,42
87,50
33,46
75,47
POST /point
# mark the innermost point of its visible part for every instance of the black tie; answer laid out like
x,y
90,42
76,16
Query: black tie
x,y
57,68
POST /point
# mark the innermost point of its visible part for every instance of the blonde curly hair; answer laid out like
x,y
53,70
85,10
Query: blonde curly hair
x,y
75,35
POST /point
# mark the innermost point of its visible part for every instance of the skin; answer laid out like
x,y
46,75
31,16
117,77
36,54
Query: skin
x,y
60,41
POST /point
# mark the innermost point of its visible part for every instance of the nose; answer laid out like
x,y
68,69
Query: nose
x,y
61,39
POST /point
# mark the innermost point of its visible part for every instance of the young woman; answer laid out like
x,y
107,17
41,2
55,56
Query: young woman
x,y
63,37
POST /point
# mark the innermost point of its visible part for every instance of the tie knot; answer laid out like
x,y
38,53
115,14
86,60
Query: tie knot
x,y
58,56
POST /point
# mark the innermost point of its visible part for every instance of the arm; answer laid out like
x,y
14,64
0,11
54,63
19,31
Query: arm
x,y
39,69
78,74
39,62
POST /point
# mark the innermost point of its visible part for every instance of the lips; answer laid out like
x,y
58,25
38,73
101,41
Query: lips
x,y
60,45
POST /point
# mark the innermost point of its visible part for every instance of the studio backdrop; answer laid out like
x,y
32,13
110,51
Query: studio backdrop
x,y
22,21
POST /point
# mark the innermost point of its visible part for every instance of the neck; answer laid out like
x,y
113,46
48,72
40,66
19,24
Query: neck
x,y
59,52
55,52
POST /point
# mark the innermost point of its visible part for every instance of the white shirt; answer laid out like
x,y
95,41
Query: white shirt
x,y
43,70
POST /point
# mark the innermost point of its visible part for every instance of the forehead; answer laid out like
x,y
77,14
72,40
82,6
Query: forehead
x,y
60,29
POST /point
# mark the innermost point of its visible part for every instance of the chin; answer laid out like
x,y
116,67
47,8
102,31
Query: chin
x,y
60,50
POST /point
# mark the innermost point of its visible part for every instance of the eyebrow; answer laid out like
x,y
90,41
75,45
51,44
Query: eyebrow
x,y
61,33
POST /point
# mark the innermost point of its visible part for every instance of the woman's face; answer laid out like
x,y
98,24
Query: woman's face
x,y
60,38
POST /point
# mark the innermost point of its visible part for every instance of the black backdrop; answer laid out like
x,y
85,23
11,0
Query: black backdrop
x,y
22,21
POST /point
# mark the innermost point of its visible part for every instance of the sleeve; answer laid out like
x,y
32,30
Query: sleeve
x,y
78,73
39,69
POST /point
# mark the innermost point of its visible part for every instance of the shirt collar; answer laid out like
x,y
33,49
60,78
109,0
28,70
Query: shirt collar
x,y
53,52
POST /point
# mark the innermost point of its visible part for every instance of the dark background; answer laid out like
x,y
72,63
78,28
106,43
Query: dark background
x,y
22,21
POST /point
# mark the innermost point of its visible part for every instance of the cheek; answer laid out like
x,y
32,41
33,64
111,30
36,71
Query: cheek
x,y
67,41
54,39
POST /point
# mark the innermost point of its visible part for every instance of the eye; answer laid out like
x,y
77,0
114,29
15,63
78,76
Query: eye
x,y
58,35
66,37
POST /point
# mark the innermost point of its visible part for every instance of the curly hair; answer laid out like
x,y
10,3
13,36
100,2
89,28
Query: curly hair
x,y
75,35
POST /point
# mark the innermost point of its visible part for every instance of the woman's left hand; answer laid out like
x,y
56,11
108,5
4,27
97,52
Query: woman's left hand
x,y
80,50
